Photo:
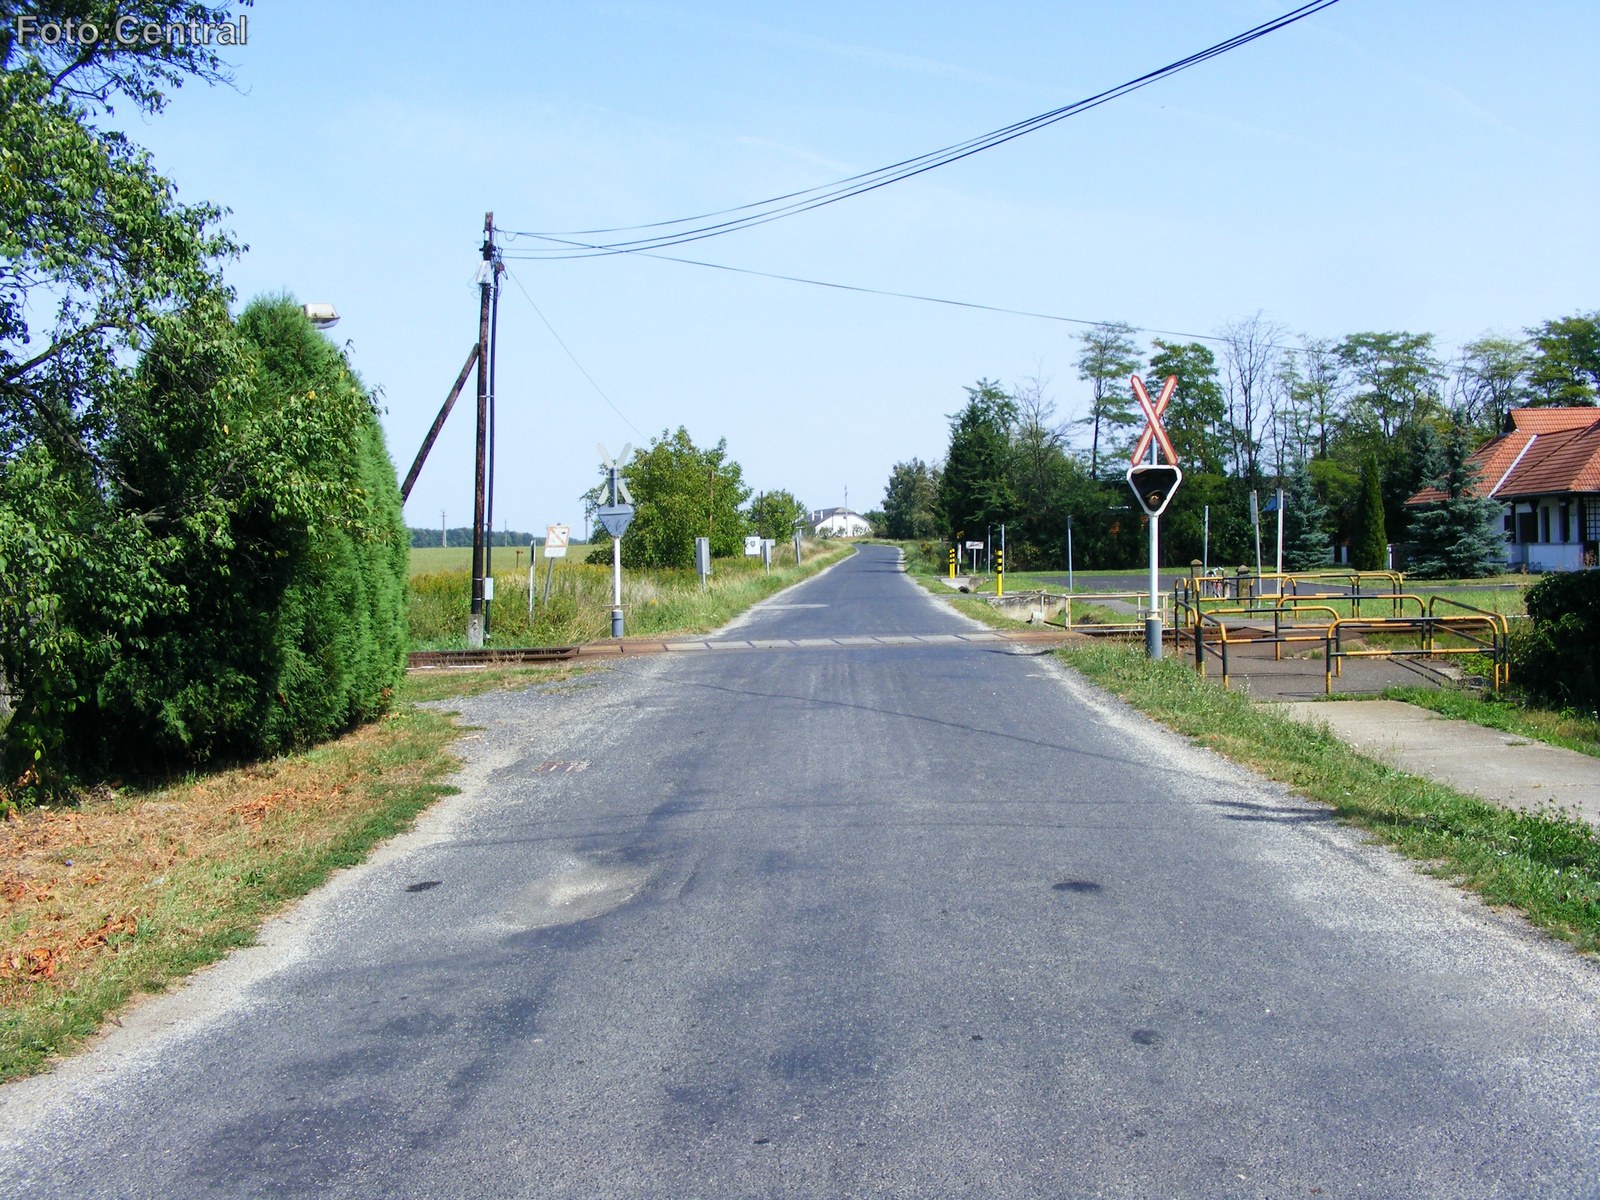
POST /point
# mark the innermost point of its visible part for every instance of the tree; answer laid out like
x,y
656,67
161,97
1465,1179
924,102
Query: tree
x,y
1399,376
95,255
909,502
1249,352
91,73
1305,536
1491,380
1454,535
1566,367
1369,545
680,492
975,491
1198,413
1106,362
775,514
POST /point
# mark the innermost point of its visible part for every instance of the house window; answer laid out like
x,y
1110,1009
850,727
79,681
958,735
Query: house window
x,y
1527,528
1566,524
1591,510
1544,524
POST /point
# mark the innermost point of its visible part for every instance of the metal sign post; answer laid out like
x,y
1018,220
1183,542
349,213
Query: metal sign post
x,y
1069,555
1154,483
768,545
702,559
1255,523
614,518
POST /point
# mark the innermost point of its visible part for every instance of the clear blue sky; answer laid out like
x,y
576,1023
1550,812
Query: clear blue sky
x,y
1429,167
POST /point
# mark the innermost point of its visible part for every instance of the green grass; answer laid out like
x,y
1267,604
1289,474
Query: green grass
x,y
655,603
1546,867
1510,714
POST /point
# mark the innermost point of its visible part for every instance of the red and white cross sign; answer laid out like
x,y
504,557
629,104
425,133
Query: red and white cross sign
x,y
1152,418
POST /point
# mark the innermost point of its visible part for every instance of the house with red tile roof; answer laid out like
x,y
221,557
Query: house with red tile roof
x,y
1545,469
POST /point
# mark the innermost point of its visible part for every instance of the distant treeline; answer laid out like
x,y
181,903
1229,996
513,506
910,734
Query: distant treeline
x,y
463,537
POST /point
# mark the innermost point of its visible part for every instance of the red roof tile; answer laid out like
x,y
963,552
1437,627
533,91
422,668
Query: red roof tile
x,y
1549,420
1549,450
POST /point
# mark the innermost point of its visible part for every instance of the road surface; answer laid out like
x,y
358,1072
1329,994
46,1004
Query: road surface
x,y
922,922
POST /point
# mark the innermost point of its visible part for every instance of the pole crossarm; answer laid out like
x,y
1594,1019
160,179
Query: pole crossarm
x,y
438,424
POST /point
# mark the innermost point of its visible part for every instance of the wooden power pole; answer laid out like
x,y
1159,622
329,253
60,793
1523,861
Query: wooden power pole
x,y
485,286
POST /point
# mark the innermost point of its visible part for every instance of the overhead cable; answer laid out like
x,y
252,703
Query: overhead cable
x,y
598,389
566,244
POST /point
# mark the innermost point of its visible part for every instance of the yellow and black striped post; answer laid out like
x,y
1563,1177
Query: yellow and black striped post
x,y
999,572
952,562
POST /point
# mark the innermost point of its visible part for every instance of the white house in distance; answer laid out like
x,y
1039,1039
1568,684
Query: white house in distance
x,y
839,522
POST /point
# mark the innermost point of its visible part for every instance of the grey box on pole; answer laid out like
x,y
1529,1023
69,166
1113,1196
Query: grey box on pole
x,y
702,559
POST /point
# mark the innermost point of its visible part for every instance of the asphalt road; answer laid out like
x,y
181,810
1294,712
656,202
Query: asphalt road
x,y
923,922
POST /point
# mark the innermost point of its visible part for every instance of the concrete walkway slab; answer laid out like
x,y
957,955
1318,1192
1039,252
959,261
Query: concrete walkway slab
x,y
1489,763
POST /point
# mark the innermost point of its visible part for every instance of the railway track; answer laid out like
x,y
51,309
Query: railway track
x,y
433,660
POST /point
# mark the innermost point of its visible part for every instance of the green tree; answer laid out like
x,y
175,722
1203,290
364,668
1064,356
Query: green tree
x,y
975,490
1198,412
1455,536
680,492
95,253
1491,380
1397,376
775,515
1106,362
1369,544
1566,366
1305,534
910,501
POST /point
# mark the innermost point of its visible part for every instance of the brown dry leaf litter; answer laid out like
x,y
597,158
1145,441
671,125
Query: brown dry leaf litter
x,y
75,883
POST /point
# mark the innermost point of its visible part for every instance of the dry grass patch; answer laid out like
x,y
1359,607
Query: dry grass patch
x,y
132,889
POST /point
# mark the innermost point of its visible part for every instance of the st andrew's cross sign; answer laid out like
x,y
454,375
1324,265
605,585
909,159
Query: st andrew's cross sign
x,y
1155,482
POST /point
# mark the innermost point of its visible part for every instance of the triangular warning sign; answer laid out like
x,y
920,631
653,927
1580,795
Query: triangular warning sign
x,y
1154,484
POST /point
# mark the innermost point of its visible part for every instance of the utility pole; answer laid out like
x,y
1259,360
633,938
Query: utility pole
x,y
485,286
444,530
488,516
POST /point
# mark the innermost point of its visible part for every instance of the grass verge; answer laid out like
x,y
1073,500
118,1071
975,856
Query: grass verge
x,y
1546,866
1567,730
130,890
579,606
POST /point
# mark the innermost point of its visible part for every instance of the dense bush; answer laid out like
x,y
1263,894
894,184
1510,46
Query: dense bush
x,y
1557,657
258,597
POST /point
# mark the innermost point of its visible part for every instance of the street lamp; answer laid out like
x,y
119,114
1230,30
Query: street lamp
x,y
323,316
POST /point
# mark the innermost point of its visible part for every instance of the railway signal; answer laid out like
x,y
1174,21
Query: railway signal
x,y
1154,484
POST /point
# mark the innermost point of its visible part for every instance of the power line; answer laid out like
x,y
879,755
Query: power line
x,y
868,291
790,204
598,389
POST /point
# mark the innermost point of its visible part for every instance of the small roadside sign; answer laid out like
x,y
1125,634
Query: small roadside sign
x,y
974,545
752,547
556,538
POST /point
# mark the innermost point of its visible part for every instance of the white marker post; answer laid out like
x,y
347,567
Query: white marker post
x,y
1279,502
1154,483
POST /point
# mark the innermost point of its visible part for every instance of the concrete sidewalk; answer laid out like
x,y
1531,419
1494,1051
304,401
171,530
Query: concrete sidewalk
x,y
1489,763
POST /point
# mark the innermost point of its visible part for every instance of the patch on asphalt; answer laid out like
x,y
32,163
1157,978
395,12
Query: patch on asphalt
x,y
1082,886
579,894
